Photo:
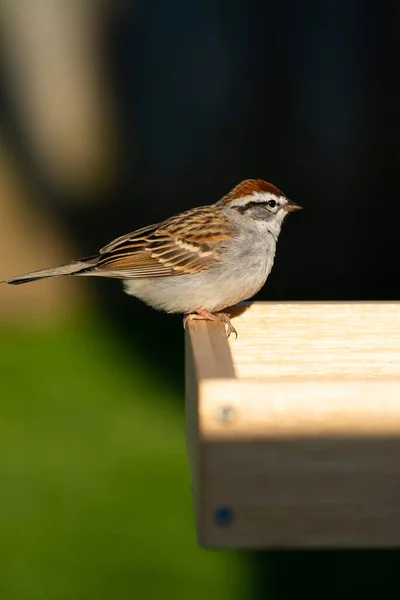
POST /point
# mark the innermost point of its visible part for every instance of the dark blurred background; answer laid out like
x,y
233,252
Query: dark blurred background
x,y
117,114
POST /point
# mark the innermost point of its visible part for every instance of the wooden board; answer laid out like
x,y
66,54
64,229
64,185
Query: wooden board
x,y
294,428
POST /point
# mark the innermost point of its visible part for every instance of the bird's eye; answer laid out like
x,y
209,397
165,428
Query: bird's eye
x,y
271,203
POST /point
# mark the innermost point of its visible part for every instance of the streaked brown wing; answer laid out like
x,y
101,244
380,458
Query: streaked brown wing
x,y
188,243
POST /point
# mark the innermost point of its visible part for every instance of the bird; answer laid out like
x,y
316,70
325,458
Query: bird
x,y
199,262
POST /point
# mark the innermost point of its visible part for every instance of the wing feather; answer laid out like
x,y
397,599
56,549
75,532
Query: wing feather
x,y
188,243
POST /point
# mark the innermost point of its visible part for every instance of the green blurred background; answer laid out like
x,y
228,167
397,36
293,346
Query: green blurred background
x,y
95,492
115,114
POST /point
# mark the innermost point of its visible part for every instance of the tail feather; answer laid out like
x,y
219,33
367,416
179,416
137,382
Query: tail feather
x,y
75,268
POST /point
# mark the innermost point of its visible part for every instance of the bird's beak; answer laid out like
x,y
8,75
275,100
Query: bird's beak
x,y
291,206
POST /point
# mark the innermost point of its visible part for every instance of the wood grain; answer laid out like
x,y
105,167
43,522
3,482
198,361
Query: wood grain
x,y
318,339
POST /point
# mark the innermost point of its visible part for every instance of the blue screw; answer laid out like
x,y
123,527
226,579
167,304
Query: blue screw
x,y
223,516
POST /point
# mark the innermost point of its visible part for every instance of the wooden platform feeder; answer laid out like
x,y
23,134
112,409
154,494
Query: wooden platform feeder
x,y
294,428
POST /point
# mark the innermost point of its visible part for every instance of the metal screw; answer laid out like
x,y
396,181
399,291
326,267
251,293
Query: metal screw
x,y
226,414
223,516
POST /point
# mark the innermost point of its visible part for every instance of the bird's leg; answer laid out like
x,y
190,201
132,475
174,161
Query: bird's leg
x,y
204,315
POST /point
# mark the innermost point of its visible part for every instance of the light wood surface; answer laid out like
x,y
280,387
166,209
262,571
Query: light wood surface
x,y
294,427
317,339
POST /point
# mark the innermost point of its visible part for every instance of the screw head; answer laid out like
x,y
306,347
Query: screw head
x,y
226,414
223,516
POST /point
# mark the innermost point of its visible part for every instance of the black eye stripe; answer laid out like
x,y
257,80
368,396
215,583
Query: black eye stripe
x,y
252,204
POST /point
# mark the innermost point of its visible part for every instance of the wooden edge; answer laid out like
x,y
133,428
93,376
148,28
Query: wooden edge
x,y
207,356
274,408
209,345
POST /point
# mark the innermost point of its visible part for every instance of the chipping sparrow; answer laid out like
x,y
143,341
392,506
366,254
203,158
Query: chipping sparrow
x,y
198,262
